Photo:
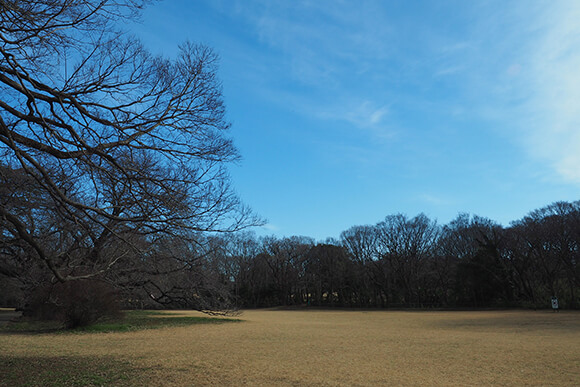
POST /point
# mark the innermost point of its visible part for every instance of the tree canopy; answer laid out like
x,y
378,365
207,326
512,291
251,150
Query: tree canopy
x,y
105,148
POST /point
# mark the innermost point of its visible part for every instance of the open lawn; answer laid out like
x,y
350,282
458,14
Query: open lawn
x,y
309,348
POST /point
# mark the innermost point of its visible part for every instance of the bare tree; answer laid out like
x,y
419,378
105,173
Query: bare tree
x,y
286,260
361,243
405,246
118,145
329,272
551,245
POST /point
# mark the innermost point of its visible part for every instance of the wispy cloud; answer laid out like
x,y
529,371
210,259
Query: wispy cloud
x,y
324,51
554,77
363,114
269,227
518,70
513,66
433,199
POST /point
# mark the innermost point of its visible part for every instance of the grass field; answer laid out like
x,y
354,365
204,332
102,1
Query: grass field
x,y
309,348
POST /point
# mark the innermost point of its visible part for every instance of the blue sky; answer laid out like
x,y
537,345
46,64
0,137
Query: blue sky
x,y
347,111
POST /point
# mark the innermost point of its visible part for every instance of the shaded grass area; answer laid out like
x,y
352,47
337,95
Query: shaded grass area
x,y
55,371
133,320
68,371
147,319
542,323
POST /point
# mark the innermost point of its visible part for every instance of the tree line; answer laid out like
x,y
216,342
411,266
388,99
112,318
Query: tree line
x,y
411,262
399,262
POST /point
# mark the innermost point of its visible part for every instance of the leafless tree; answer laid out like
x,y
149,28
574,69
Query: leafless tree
x,y
286,260
112,145
361,243
405,246
551,247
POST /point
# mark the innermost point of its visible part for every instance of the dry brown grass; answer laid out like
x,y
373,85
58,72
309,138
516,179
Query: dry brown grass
x,y
339,348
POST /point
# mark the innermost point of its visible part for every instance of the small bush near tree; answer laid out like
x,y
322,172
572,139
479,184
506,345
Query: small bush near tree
x,y
75,304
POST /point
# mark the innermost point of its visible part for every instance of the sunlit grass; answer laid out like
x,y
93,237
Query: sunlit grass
x,y
311,348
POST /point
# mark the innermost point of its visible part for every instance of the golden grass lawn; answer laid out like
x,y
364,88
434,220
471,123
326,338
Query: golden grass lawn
x,y
339,348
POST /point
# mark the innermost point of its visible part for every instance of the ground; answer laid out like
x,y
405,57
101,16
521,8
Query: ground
x,y
335,348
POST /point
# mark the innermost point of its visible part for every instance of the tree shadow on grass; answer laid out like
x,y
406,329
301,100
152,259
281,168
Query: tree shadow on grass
x,y
130,321
55,371
525,322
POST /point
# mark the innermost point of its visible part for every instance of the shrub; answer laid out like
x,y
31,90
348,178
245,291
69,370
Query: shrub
x,y
75,303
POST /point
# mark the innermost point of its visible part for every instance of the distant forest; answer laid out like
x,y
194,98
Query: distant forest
x,y
411,262
400,262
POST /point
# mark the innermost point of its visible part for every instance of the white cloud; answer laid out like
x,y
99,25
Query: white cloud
x,y
269,227
365,114
518,70
322,43
433,200
447,71
377,116
554,82
514,67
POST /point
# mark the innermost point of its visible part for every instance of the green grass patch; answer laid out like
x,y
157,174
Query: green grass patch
x,y
146,319
68,371
132,320
25,325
